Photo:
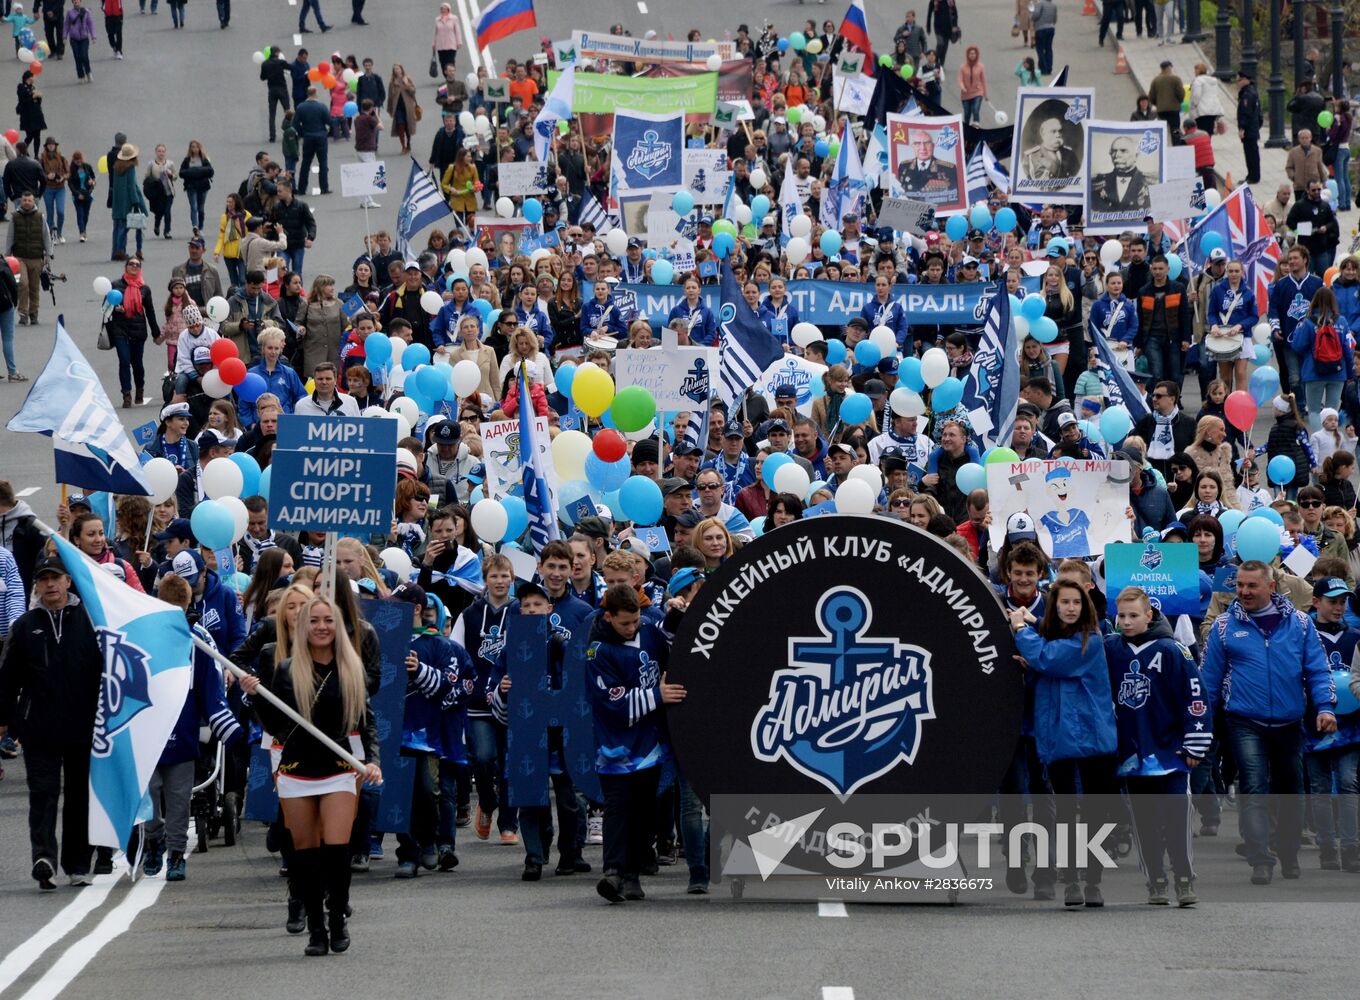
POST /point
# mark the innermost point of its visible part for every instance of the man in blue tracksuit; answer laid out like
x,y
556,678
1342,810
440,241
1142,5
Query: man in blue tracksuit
x,y
1164,729
1263,660
625,664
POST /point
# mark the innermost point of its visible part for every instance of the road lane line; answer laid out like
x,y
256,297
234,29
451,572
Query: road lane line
x,y
486,52
80,954
28,491
17,962
469,34
642,7
838,993
831,908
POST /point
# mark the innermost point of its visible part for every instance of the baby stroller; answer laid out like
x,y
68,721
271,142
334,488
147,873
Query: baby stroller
x,y
215,810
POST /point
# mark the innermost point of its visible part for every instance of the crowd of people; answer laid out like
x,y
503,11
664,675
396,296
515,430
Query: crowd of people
x,y
1250,707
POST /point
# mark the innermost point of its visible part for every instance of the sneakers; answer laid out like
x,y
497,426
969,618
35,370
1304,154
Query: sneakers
x,y
509,838
481,824
1209,830
1073,896
1043,893
1290,869
103,861
1350,859
358,862
1185,893
632,888
429,859
464,819
571,866
155,858
697,889
611,888
9,748
448,860
1016,881
375,848
665,854
79,878
118,55
407,869
43,873
174,868
1094,899
533,871
1329,860
595,828
1261,874
1157,893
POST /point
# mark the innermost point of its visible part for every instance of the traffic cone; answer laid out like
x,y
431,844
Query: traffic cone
x,y
1228,184
1121,62
1090,9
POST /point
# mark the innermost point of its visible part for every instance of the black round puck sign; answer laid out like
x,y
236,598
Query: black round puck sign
x,y
845,654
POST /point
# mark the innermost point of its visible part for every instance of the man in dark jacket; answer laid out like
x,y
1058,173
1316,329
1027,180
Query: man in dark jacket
x,y
1167,430
49,692
23,173
19,532
1249,124
292,215
297,69
1321,241
274,72
312,119
447,141
201,278
370,86
1165,322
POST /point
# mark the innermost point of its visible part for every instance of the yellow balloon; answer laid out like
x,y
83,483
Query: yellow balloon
x,y
104,164
310,386
569,451
593,390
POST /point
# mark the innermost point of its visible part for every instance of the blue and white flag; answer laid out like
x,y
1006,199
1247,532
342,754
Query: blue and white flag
x,y
556,109
465,572
876,159
976,176
1119,386
649,151
146,656
790,204
992,386
538,503
996,173
593,212
845,193
422,205
67,403
745,346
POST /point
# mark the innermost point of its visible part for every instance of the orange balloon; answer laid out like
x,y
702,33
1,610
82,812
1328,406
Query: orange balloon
x,y
328,82
35,68
1329,275
314,74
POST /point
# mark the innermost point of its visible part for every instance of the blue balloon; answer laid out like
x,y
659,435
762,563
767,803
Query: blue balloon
x,y
682,203
1281,470
250,388
1015,304
1210,242
606,476
378,348
970,477
981,217
250,473
611,500
213,524
432,382
956,228
1115,424
516,515
1346,703
856,409
483,308
1174,266
640,500
909,374
760,207
1060,243
415,355
830,243
351,109
782,45
1263,385
266,477
772,464
533,210
723,244
1262,355
565,375
758,526
649,254
946,395
1257,538
1268,513
835,351
114,297
1005,220
1044,329
821,147
1032,307
663,272
868,353
1230,520
480,494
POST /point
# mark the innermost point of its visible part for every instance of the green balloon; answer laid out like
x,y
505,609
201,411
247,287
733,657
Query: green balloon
x,y
908,71
833,148
1002,455
725,226
352,85
1325,119
749,231
885,60
266,50
563,126
633,409
794,116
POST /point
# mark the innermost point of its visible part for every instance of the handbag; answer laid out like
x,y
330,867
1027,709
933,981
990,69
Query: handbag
x,y
419,113
434,65
104,342
136,220
955,34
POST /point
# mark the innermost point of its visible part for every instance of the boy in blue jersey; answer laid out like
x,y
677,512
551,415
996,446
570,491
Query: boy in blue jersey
x,y
1334,756
625,661
1163,721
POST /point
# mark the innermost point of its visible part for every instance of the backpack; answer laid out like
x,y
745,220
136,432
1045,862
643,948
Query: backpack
x,y
1327,354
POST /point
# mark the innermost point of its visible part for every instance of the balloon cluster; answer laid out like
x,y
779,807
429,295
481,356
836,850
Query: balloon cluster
x,y
31,52
220,520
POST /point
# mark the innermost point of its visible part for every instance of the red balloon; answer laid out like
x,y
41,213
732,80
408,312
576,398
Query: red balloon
x,y
1240,410
13,263
12,136
35,68
223,350
609,445
232,371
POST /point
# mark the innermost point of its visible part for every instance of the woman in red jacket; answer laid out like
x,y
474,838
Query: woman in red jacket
x,y
972,85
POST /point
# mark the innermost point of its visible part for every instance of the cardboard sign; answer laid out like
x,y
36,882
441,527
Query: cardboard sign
x,y
679,378
502,454
1077,506
907,215
496,90
360,179
1167,571
521,179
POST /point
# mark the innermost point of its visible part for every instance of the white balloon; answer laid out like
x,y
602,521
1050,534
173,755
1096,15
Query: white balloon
x,y
885,340
222,478
906,402
408,408
218,310
853,497
505,208
457,259
403,425
801,226
163,478
1110,252
806,333
742,214
349,75
466,120
472,82
797,249
1260,333
466,378
397,379
373,411
617,242
475,256
256,57
569,450
1002,118
1212,199
1021,328
869,475
758,179
818,123
791,478
489,520
934,367
714,62
1326,194
431,302
214,386
239,515
398,345
102,286
26,56
398,562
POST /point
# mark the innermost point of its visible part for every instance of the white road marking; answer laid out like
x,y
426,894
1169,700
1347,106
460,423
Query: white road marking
x,y
28,491
470,37
831,908
17,962
80,954
642,7
297,39
838,993
486,52
316,192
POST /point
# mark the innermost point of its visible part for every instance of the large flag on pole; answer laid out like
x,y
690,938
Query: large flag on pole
x,y
992,387
746,347
1241,225
503,18
146,664
855,30
557,108
422,205
1118,383
845,193
67,403
976,175
537,502
593,212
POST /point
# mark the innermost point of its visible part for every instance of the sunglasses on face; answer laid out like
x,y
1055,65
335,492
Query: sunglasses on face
x,y
1311,504
900,503
710,486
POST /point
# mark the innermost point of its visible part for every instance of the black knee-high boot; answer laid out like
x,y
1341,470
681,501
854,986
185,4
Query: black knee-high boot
x,y
297,922
337,879
308,866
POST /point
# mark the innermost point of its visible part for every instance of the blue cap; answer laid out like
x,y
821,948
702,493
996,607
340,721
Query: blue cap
x,y
1332,586
682,579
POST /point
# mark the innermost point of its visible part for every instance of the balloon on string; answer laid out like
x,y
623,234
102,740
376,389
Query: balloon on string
x,y
1210,242
758,525
1044,329
969,477
214,387
114,297
1257,538
533,210
723,244
1174,266
885,340
1005,220
212,523
251,387
415,355
1032,307
725,226
569,450
609,445
821,147
947,395
431,302
516,516
409,408
1281,470
792,478
797,41
856,408
869,475
26,56
395,560
663,272
956,228
997,456
1325,119
640,500
1263,384
1111,251
221,350
835,352
466,377
909,373
351,109
934,367
801,226
505,208
489,520
802,335
867,353
163,478
232,371
1115,424
633,408
1230,520
592,390
1270,514
217,309
760,206
682,203
432,382
222,478
1240,409
1021,327
797,250
250,473
1262,355
606,476
102,286
906,402
1212,199
782,45
830,242
768,468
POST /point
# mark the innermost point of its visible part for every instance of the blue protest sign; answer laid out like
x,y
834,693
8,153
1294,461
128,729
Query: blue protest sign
x,y
648,151
654,537
821,509
392,621
262,801
145,434
1225,580
1168,571
323,491
578,509
337,434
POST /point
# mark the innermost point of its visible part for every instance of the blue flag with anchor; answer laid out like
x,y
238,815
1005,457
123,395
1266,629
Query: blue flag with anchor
x,y
537,502
146,659
422,205
992,386
648,151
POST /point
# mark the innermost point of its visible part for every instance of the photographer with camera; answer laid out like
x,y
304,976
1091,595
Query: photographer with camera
x,y
30,240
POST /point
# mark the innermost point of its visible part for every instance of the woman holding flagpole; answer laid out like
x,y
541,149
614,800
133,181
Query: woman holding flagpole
x,y
324,682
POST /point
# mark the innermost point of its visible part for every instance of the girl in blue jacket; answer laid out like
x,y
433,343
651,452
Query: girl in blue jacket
x,y
1322,380
1073,717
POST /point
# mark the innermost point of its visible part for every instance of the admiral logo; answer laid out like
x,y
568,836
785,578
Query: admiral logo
x,y
851,706
125,690
1152,557
1135,688
651,156
492,643
696,383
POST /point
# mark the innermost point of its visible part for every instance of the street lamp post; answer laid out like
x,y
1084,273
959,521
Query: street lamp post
x,y
1249,38
1194,31
1223,43
1338,64
1276,138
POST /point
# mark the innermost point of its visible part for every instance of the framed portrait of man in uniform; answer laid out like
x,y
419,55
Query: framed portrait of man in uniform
x,y
927,161
1124,160
1048,158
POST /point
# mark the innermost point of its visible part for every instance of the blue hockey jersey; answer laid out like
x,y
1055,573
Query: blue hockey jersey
x,y
1338,643
625,697
480,630
206,703
437,693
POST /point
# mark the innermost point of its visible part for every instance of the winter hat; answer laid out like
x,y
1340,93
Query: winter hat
x,y
192,317
1281,405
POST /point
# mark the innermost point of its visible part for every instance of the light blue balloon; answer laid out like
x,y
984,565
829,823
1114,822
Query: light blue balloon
x,y
1174,266
970,477
868,353
213,524
611,500
640,500
1044,329
483,308
1257,538
477,494
1268,513
1230,520
378,348
760,207
821,147
517,516
830,243
956,228
723,245
1262,355
566,374
771,465
682,203
1115,424
1281,470
1005,220
981,218
946,395
1209,243
758,525
835,351
909,374
250,474
1263,385
114,297
533,210
432,382
1015,304
606,476
856,409
376,365
1032,307
351,109
415,355
266,478
663,272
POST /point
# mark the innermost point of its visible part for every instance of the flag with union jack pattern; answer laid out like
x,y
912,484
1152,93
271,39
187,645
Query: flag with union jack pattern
x,y
1242,225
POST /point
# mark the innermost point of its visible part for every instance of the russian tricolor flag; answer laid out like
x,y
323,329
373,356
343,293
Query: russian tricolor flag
x,y
855,30
503,18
